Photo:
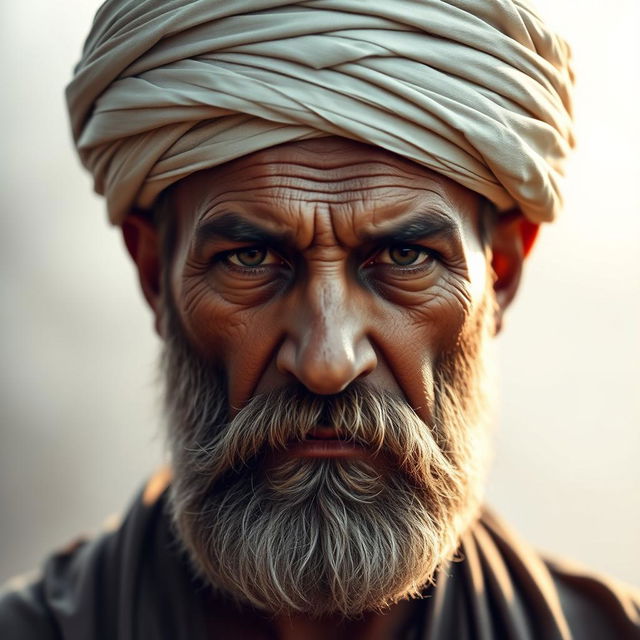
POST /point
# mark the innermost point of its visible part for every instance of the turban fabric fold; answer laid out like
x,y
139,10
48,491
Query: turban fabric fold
x,y
477,90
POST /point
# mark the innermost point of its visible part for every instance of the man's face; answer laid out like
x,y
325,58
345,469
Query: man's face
x,y
323,262
327,310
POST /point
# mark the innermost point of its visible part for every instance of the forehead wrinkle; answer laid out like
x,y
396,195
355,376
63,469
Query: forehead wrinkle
x,y
329,170
294,187
291,190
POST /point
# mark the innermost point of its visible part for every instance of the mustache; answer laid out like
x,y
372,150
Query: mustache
x,y
373,418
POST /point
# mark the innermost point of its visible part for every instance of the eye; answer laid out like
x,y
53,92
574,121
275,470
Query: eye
x,y
252,257
403,256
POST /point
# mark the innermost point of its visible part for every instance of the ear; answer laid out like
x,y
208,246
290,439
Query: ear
x,y
511,240
142,242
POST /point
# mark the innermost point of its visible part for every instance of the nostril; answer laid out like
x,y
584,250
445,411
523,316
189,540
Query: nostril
x,y
367,359
367,371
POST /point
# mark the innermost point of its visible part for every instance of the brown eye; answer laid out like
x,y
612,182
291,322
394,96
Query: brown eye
x,y
404,256
252,257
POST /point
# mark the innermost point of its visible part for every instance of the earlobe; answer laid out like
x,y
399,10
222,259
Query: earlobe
x,y
512,239
142,241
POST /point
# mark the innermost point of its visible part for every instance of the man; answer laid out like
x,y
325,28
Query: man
x,y
328,204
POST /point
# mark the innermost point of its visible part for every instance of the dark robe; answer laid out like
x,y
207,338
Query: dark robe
x,y
133,583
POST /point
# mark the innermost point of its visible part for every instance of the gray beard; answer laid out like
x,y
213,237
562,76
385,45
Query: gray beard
x,y
324,536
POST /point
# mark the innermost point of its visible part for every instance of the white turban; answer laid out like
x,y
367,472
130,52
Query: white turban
x,y
477,90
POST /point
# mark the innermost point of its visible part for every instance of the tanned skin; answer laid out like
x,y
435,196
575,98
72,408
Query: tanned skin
x,y
325,261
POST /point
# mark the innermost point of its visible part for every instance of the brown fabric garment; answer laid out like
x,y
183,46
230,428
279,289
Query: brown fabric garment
x,y
134,584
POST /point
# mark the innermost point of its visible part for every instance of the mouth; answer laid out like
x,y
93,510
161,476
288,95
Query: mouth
x,y
326,442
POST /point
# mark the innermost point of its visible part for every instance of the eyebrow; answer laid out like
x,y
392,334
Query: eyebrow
x,y
235,228
418,227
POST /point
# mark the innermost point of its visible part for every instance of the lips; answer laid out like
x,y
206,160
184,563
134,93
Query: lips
x,y
326,442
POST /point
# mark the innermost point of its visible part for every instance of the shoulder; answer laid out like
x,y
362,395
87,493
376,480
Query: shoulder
x,y
40,606
595,604
24,613
581,603
82,591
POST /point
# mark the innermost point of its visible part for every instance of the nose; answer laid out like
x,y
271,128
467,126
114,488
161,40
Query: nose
x,y
326,345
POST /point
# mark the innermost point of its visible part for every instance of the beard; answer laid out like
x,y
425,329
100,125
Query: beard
x,y
325,536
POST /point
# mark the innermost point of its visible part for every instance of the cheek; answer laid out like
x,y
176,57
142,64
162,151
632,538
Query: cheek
x,y
240,339
212,324
412,339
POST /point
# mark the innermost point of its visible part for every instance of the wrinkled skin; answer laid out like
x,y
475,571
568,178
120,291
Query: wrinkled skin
x,y
327,261
329,305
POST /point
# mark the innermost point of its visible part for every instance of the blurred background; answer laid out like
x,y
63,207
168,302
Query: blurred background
x,y
79,424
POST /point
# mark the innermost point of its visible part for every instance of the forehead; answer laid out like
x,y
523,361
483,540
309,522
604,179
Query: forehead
x,y
361,189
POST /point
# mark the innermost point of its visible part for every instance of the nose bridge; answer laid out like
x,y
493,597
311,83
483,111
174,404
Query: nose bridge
x,y
329,330
328,346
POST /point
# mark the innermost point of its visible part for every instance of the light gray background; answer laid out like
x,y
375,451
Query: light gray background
x,y
79,426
